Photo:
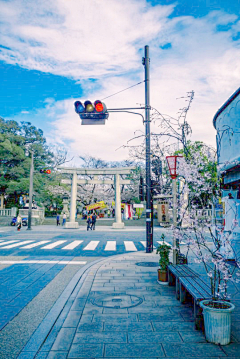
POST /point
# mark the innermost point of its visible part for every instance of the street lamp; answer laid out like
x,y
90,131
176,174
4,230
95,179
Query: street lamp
x,y
172,165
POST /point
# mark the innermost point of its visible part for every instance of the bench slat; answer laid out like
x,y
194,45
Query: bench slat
x,y
200,284
203,285
181,270
194,288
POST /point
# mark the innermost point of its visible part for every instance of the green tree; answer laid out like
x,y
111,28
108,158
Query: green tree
x,y
16,141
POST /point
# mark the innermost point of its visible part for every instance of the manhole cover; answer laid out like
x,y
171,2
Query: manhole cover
x,y
117,301
147,264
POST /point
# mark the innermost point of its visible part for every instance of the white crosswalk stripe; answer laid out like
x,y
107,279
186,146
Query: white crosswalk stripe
x,y
17,244
144,244
130,246
110,246
35,244
91,246
42,262
53,245
7,242
72,245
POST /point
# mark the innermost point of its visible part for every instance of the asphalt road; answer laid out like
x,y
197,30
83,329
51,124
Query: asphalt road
x,y
37,266
57,241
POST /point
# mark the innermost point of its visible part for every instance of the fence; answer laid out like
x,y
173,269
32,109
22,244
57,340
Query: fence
x,y
9,212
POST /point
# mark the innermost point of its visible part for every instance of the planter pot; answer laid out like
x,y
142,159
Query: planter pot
x,y
217,322
162,276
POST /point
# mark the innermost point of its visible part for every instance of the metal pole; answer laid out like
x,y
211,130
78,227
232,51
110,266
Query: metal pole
x,y
174,193
30,194
149,233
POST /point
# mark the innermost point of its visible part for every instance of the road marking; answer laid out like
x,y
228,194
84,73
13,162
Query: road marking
x,y
144,244
35,244
43,262
73,245
110,246
17,244
91,246
7,242
130,246
53,245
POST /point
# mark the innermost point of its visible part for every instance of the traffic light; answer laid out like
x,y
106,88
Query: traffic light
x,y
155,188
91,113
45,171
141,190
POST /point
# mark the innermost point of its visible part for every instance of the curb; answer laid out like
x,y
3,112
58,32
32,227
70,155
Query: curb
x,y
35,342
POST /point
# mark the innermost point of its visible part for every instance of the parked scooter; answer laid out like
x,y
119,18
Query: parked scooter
x,y
14,221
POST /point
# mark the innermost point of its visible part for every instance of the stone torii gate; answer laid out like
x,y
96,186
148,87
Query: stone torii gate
x,y
95,172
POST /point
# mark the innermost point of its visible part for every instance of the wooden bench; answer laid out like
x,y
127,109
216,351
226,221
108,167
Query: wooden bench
x,y
175,272
199,291
189,283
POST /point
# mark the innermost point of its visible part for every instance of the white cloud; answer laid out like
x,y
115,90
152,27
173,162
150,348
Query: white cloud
x,y
104,40
79,38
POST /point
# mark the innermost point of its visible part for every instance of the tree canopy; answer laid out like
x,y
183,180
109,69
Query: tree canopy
x,y
16,143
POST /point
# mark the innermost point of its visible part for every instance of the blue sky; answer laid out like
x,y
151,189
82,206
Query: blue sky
x,y
52,53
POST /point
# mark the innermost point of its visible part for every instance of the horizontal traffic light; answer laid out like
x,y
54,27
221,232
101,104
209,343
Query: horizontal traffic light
x,y
91,113
79,108
45,171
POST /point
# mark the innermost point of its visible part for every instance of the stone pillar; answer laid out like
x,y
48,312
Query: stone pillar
x,y
73,205
118,223
65,207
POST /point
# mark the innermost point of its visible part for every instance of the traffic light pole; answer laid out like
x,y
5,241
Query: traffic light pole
x,y
30,195
149,227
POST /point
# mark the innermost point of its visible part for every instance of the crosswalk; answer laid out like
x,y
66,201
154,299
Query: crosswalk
x,y
45,245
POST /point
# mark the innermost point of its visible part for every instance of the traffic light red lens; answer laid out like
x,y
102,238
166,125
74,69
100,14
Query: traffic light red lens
x,y
99,107
48,171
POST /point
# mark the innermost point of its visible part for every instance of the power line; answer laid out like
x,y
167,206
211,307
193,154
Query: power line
x,y
123,90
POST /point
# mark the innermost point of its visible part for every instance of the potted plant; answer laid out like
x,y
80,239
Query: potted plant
x,y
217,310
163,250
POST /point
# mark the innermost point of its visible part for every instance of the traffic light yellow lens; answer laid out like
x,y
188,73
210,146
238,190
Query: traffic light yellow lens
x,y
89,108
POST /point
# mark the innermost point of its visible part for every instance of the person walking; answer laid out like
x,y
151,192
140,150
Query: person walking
x,y
64,219
94,219
58,219
19,222
89,223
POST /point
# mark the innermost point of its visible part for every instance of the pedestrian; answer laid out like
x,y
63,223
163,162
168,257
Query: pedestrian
x,y
89,223
94,219
58,219
19,222
64,219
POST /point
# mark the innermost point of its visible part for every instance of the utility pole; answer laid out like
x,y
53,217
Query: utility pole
x,y
175,241
30,194
149,228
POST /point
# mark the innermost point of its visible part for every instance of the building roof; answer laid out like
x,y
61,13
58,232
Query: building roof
x,y
225,105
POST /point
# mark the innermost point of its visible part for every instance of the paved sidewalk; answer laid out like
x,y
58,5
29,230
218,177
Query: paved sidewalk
x,y
118,310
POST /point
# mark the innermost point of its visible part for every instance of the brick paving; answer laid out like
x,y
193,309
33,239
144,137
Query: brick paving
x,y
120,311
